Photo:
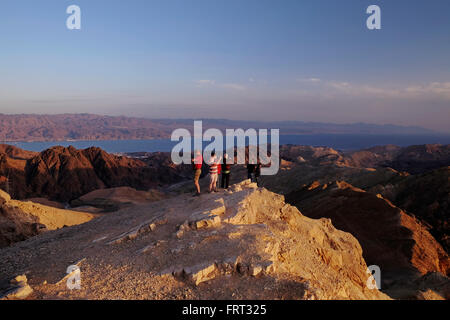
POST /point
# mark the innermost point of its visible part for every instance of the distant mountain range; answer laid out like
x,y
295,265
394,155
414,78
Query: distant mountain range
x,y
60,127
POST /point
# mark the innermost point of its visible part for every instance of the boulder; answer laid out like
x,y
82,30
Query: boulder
x,y
4,197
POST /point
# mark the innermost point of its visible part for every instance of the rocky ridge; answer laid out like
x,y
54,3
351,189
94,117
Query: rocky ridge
x,y
242,243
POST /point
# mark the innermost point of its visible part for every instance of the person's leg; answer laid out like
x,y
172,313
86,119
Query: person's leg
x,y
197,186
227,181
216,176
224,180
196,180
211,182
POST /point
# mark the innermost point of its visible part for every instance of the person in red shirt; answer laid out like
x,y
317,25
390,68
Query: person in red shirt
x,y
219,169
197,163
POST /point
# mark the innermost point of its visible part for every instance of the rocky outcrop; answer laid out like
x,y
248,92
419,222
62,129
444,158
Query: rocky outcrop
x,y
18,290
244,243
22,220
392,239
16,225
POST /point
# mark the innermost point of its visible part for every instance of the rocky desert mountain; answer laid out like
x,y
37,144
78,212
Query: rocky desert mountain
x,y
392,239
244,243
423,192
64,174
412,159
427,195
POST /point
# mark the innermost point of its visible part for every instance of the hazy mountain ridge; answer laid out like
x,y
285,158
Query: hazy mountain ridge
x,y
59,127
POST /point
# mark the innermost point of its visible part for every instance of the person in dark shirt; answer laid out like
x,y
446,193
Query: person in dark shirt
x,y
257,172
226,171
251,171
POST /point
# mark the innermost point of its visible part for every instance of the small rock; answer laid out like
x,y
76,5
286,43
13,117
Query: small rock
x,y
19,280
18,293
204,273
179,234
256,271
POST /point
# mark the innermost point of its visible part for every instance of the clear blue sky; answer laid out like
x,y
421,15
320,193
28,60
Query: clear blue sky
x,y
311,60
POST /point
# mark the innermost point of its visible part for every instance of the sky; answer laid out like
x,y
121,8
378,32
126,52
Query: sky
x,y
305,60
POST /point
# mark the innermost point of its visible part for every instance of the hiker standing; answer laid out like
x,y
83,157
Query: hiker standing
x,y
197,162
219,170
251,172
257,173
226,170
213,172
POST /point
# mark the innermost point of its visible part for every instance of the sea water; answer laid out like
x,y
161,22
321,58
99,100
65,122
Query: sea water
x,y
344,142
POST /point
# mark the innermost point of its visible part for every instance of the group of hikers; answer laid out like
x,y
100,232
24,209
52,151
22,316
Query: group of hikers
x,y
217,168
